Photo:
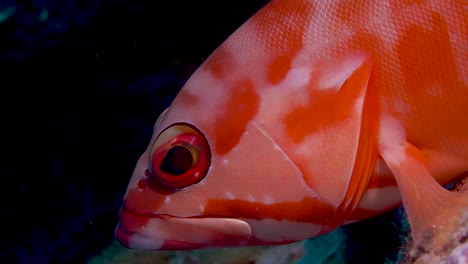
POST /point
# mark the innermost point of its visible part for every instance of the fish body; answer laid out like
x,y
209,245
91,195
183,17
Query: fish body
x,y
312,115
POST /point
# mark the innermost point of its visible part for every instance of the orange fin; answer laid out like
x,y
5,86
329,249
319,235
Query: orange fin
x,y
434,213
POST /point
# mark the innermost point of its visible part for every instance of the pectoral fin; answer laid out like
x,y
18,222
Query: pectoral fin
x,y
434,213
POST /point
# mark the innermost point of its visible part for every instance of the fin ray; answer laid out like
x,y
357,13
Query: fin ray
x,y
435,213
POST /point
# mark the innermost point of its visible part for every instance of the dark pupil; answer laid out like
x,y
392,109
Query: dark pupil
x,y
177,160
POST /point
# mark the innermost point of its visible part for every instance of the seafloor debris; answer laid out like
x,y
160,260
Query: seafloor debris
x,y
243,255
455,251
328,248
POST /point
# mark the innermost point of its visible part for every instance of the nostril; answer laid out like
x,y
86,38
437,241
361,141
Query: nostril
x,y
142,184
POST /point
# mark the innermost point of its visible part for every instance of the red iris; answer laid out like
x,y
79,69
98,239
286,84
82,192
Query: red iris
x,y
180,156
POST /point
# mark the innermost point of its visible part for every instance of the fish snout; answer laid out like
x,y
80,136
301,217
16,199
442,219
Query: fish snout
x,y
165,232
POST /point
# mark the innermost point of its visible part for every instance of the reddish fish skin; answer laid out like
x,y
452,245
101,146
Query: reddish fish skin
x,y
313,114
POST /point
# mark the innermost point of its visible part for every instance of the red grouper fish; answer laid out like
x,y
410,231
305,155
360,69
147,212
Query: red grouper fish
x,y
312,115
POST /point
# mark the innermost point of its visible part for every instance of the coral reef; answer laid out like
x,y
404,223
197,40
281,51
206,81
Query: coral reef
x,y
454,251
328,248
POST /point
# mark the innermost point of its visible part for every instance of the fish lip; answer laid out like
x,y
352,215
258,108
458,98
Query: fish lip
x,y
168,232
124,235
145,242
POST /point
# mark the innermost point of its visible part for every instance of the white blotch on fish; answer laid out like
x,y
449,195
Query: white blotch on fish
x,y
229,195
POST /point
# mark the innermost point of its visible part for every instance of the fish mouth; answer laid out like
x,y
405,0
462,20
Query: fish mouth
x,y
166,232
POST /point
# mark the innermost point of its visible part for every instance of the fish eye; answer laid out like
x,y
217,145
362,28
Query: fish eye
x,y
180,156
177,160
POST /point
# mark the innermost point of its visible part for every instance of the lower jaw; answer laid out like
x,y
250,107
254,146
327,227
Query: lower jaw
x,y
162,232
135,240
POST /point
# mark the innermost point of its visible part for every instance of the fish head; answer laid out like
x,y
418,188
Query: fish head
x,y
207,181
258,148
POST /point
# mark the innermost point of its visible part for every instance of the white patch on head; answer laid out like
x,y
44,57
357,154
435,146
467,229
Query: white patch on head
x,y
215,98
392,139
314,139
268,200
341,72
278,231
250,198
297,78
279,99
201,207
225,162
167,200
229,195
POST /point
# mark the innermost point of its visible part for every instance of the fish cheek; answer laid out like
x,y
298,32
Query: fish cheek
x,y
231,124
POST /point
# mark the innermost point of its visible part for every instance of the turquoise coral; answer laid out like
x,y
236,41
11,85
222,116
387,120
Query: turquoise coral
x,y
328,248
